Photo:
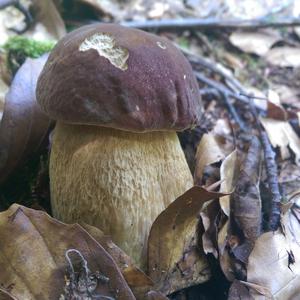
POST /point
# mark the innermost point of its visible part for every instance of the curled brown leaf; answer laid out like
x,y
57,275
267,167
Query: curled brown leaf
x,y
33,262
175,256
23,126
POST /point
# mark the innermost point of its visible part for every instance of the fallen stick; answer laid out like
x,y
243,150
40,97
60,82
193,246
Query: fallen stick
x,y
195,23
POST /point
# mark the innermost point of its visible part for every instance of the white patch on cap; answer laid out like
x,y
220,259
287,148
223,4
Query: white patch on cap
x,y
106,46
161,45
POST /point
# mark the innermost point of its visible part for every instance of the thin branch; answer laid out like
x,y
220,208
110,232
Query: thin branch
x,y
221,87
237,90
190,23
225,94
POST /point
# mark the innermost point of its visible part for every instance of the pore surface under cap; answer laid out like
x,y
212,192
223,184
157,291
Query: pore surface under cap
x,y
113,76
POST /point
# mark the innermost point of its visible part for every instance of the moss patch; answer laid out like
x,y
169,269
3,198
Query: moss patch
x,y
18,48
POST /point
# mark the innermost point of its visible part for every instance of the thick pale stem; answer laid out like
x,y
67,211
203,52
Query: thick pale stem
x,y
116,180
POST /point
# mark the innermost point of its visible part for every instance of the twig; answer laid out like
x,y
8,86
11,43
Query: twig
x,y
189,23
272,177
225,93
234,113
206,63
220,87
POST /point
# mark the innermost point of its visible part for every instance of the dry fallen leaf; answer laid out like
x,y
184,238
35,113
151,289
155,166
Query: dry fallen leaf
x,y
212,210
215,216
138,281
257,42
23,126
245,204
245,200
284,56
282,135
175,260
274,262
33,262
226,261
208,152
229,172
260,99
288,95
276,112
209,216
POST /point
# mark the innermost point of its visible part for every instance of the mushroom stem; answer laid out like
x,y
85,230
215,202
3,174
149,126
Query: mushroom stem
x,y
116,180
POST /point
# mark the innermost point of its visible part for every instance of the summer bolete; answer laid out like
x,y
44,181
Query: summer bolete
x,y
119,95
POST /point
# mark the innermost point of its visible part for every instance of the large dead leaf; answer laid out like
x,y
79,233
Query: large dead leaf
x,y
23,126
257,42
284,57
275,260
32,257
174,259
282,135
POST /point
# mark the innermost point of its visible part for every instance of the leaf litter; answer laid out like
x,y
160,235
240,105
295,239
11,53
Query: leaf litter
x,y
231,226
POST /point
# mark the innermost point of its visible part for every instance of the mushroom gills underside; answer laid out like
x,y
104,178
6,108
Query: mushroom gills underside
x,y
116,180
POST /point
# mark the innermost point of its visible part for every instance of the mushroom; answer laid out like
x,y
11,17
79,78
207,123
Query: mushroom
x,y
119,95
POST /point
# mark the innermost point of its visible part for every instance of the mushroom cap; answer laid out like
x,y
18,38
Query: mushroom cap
x,y
118,77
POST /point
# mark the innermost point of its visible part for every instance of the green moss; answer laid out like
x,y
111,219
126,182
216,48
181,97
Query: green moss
x,y
18,48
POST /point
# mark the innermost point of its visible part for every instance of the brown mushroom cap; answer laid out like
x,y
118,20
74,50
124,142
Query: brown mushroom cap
x,y
118,77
